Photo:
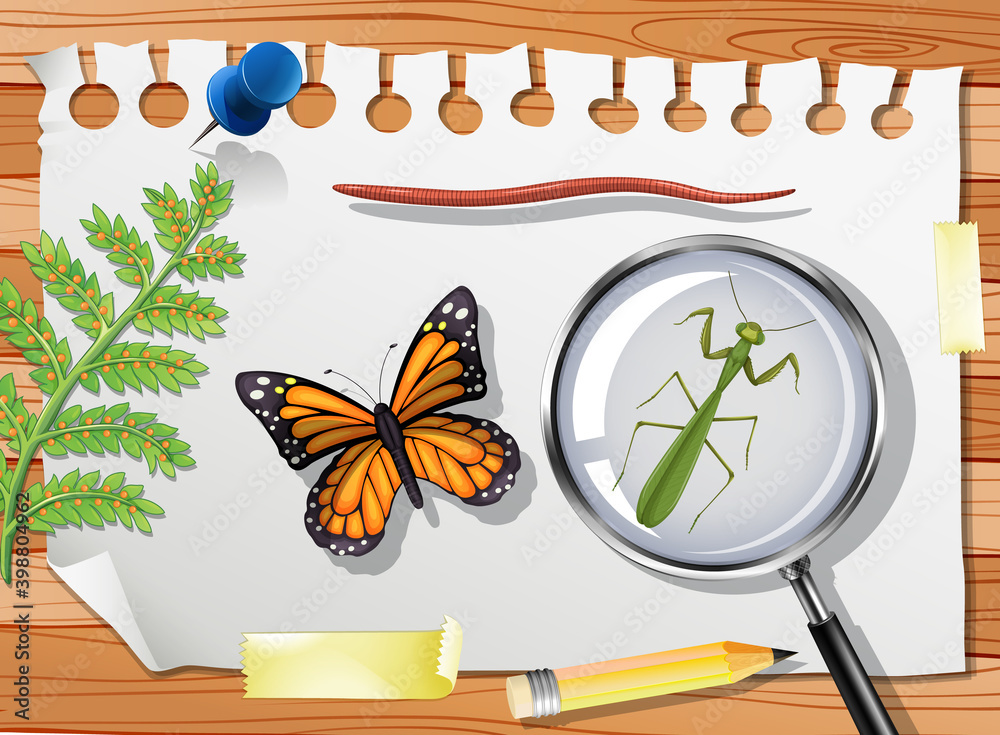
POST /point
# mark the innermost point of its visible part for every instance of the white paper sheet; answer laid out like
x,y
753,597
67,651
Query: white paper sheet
x,y
331,281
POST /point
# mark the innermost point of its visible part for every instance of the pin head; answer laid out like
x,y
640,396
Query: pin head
x,y
241,98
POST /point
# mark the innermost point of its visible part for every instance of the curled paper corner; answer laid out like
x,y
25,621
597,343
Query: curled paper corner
x,y
959,287
352,665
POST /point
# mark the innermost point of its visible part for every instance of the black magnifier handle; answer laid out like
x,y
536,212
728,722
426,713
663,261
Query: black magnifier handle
x,y
848,673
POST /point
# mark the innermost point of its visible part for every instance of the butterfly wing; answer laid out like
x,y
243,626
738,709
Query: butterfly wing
x,y
472,458
347,509
306,420
443,365
349,506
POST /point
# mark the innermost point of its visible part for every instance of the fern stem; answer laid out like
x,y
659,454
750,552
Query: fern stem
x,y
54,405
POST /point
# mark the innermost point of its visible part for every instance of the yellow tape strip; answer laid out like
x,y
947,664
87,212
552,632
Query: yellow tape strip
x,y
960,287
365,665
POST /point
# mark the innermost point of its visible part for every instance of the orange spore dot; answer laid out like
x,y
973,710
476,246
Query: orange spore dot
x,y
61,269
177,238
118,233
100,235
52,276
137,279
171,203
131,509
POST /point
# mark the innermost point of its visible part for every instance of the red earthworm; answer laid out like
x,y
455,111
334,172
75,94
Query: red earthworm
x,y
547,191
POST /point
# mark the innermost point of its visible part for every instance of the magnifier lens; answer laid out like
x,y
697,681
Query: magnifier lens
x,y
806,449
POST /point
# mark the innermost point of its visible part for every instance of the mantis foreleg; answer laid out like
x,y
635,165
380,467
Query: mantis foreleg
x,y
771,372
706,335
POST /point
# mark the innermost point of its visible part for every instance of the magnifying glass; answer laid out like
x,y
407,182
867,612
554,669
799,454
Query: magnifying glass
x,y
787,454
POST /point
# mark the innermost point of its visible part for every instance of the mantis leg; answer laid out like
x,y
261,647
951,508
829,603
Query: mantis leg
x,y
679,380
638,426
752,429
706,334
731,476
771,372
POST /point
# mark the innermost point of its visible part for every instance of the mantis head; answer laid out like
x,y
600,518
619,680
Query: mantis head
x,y
751,332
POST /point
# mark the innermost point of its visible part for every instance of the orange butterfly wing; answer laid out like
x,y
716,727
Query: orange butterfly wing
x,y
443,365
305,420
471,458
349,506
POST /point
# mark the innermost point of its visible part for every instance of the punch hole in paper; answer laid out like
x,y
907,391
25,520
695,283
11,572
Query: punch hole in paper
x,y
892,120
751,118
459,112
388,112
826,116
682,113
959,286
533,106
315,103
616,114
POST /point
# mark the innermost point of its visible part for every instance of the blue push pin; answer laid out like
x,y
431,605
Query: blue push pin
x,y
241,98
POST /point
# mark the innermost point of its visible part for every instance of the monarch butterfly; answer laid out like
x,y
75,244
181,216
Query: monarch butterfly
x,y
392,445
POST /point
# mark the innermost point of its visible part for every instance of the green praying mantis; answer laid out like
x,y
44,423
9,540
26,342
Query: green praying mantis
x,y
668,480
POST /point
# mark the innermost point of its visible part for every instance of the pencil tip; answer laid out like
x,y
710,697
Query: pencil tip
x,y
780,654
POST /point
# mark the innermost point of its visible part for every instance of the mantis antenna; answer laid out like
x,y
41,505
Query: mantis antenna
x,y
734,296
327,372
782,329
382,370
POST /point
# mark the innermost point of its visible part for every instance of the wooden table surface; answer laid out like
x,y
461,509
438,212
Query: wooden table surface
x,y
86,680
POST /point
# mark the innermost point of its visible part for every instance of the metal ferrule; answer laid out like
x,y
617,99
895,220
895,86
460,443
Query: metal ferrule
x,y
545,697
812,602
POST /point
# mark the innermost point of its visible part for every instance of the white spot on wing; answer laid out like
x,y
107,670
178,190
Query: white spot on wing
x,y
256,394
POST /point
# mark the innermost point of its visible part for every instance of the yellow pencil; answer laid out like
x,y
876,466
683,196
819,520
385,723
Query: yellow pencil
x,y
546,692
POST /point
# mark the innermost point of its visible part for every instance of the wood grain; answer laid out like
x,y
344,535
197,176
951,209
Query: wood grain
x,y
86,679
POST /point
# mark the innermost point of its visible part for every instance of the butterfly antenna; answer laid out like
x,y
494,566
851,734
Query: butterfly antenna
x,y
327,372
791,327
393,345
734,296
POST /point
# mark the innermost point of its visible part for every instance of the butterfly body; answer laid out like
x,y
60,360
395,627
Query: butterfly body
x,y
375,451
389,431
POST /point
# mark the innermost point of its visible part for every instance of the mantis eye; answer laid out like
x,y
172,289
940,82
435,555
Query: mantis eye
x,y
740,327
760,338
